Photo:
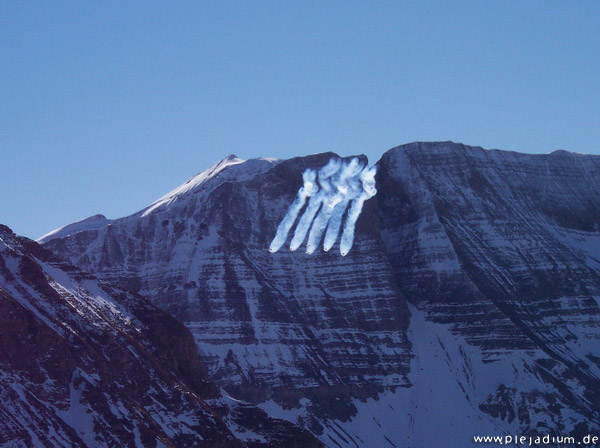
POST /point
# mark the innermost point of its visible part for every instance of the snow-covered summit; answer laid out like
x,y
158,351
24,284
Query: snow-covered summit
x,y
228,169
90,223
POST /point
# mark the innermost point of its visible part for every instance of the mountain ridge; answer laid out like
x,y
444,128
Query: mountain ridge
x,y
498,252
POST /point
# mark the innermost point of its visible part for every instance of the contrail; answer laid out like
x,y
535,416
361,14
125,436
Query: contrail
x,y
315,202
347,189
338,189
367,177
333,229
342,184
320,222
308,189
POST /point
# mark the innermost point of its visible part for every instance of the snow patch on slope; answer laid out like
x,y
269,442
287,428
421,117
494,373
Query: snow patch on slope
x,y
78,415
441,407
450,380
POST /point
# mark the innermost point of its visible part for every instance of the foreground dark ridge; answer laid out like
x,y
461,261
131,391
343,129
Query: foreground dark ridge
x,y
83,363
469,299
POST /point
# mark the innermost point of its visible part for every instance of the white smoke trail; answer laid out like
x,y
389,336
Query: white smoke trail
x,y
333,229
320,222
315,202
367,178
337,193
308,189
342,185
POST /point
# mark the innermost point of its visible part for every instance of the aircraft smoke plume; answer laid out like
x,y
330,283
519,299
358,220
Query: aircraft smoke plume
x,y
342,185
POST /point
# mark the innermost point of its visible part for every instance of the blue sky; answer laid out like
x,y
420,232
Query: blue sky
x,y
106,106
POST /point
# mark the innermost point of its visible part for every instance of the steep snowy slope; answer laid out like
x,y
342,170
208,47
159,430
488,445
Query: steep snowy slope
x,y
86,364
496,253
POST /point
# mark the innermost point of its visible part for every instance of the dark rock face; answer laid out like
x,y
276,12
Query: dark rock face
x,y
486,233
86,364
505,248
470,295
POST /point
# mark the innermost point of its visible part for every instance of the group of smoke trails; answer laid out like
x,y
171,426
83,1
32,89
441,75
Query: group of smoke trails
x,y
343,184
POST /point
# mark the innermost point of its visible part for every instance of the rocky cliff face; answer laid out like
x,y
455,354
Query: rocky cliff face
x,y
87,364
503,250
468,302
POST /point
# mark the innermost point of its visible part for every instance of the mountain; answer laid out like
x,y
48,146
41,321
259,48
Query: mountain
x,y
468,304
83,363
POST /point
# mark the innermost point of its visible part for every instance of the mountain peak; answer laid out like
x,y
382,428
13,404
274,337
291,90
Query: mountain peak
x,y
90,223
243,170
231,159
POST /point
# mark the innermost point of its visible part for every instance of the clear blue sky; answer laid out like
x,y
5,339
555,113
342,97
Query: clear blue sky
x,y
105,106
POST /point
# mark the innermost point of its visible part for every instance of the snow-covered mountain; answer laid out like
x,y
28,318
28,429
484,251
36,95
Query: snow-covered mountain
x,y
83,363
468,304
